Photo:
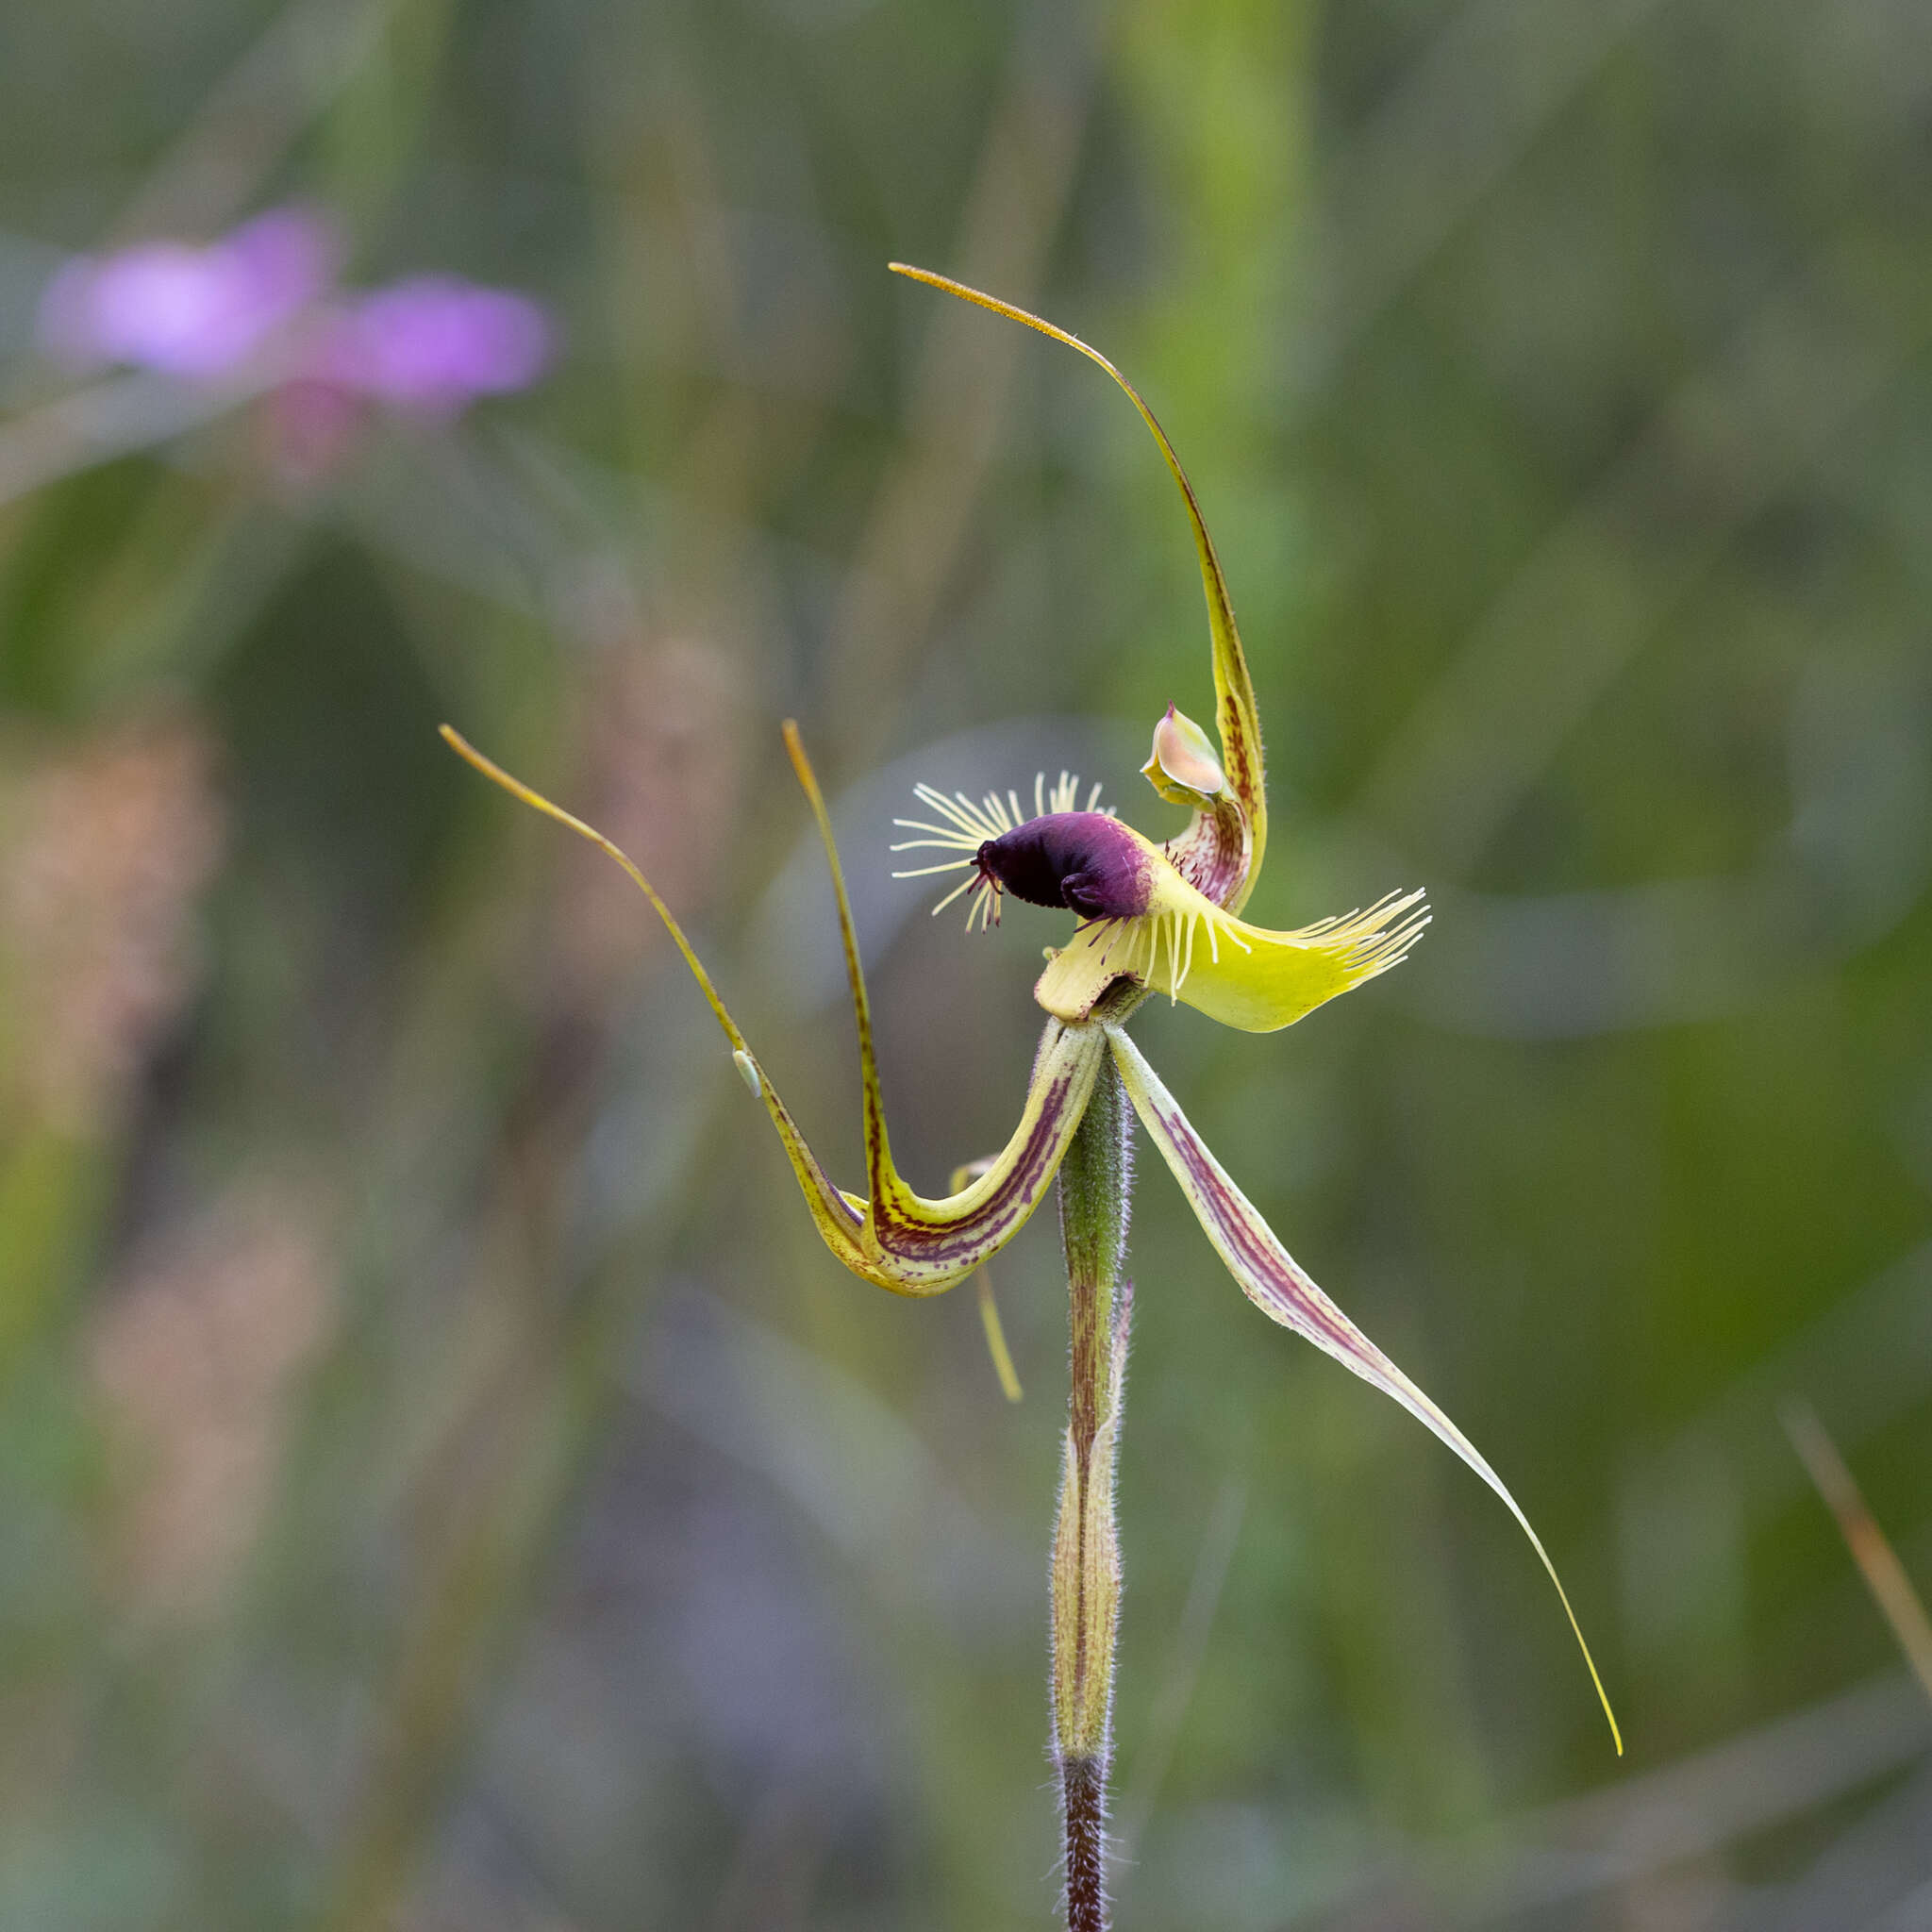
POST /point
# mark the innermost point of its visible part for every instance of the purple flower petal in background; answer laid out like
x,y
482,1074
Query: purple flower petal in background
x,y
196,312
435,342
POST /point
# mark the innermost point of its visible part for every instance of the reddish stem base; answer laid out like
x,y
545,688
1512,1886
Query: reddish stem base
x,y
1083,1804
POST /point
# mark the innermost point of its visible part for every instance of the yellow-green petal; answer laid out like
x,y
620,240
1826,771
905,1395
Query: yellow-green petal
x,y
1243,976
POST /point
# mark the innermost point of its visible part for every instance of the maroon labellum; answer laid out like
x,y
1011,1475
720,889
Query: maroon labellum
x,y
1084,860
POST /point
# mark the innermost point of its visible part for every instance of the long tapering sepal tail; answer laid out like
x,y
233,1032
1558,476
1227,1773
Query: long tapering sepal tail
x,y
1271,1277
894,1238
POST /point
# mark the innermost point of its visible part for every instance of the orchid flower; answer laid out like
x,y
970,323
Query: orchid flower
x,y
1152,918
429,343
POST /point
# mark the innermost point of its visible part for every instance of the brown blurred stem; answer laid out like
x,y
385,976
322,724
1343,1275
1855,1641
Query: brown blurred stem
x,y
1096,1186
1885,1576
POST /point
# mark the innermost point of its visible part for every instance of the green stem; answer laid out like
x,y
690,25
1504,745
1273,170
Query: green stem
x,y
1096,1188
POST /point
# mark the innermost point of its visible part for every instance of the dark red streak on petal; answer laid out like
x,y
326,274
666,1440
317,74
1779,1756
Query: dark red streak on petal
x,y
1264,1261
1212,854
1234,739
1007,1206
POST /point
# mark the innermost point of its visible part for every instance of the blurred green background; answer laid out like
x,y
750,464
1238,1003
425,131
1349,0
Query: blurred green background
x,y
443,1482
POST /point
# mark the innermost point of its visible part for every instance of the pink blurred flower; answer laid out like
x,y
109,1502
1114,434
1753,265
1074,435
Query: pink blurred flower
x,y
257,315
194,313
436,343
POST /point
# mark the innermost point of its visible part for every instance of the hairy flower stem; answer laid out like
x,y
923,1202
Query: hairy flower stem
x,y
1096,1186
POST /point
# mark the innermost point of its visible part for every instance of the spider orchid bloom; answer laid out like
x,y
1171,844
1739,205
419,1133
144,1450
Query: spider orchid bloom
x,y
1152,918
1142,912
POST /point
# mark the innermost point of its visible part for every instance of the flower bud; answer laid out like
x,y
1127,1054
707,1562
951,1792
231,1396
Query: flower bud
x,y
1183,767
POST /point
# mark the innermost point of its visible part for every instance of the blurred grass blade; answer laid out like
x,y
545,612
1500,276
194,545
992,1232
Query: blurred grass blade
x,y
1879,1563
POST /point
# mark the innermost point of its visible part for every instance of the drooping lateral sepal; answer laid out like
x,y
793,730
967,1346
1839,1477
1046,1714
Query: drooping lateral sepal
x,y
894,1238
1270,1277
835,1214
917,1246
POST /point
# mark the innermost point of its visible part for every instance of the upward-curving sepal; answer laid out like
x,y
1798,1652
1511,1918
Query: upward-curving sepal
x,y
1274,1281
1234,692
897,1239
